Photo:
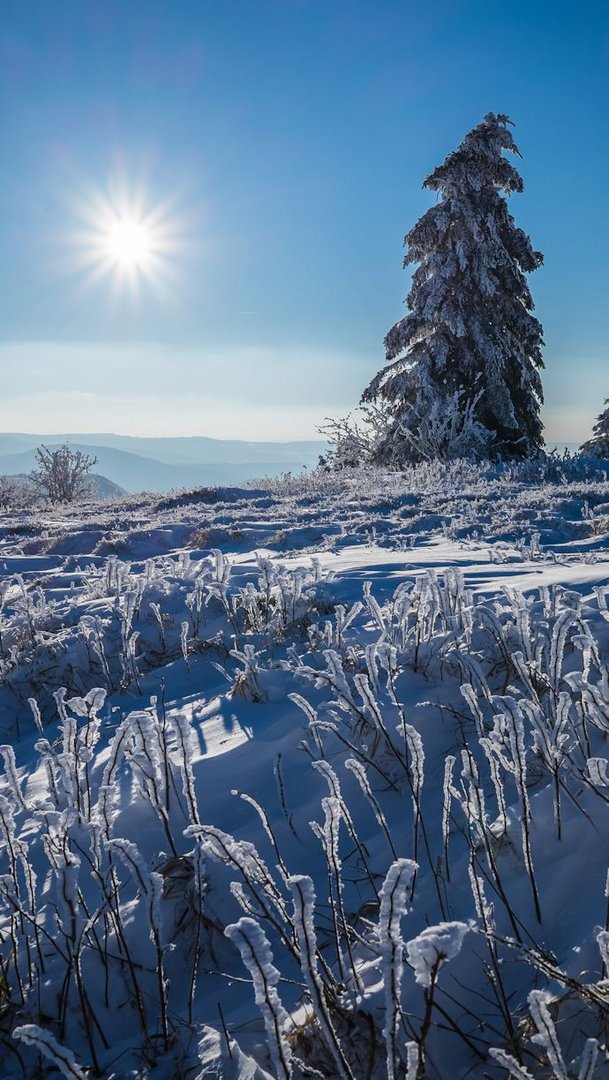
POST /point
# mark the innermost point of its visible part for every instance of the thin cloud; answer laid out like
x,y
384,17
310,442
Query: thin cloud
x,y
251,392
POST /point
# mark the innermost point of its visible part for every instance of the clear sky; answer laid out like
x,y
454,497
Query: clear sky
x,y
275,150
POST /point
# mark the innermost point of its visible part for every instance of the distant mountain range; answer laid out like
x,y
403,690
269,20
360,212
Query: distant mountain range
x,y
102,487
159,464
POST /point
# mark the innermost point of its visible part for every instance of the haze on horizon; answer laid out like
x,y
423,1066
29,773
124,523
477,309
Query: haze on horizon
x,y
203,204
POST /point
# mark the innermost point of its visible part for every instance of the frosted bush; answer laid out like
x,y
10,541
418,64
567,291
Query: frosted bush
x,y
431,949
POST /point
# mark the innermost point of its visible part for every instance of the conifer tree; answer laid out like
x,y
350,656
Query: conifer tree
x,y
469,338
598,445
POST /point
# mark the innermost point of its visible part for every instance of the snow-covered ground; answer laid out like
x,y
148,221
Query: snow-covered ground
x,y
415,665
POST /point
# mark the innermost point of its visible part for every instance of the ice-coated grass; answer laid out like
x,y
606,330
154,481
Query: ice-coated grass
x,y
403,678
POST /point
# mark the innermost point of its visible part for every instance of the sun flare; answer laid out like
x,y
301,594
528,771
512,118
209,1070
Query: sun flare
x,y
129,243
130,238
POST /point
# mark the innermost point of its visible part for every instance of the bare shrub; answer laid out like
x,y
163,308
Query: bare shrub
x,y
12,493
63,474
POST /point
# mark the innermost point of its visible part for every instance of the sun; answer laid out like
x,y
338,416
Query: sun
x,y
135,241
129,243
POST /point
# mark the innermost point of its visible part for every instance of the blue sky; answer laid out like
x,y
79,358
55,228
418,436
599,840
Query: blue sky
x,y
282,144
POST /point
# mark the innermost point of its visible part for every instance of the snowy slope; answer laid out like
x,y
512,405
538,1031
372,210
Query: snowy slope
x,y
309,646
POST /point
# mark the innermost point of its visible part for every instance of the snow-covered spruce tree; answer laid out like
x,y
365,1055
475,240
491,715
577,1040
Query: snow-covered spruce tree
x,y
469,340
598,445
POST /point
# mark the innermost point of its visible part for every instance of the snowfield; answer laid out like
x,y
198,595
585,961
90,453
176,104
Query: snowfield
x,y
310,779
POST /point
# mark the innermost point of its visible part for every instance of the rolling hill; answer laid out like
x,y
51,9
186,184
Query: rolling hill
x,y
159,464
